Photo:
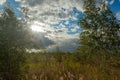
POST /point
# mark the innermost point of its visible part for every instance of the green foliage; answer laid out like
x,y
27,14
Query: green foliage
x,y
14,37
100,29
75,66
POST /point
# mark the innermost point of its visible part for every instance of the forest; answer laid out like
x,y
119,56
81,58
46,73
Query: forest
x,y
96,58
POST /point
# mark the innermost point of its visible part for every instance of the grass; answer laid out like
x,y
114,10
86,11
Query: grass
x,y
67,66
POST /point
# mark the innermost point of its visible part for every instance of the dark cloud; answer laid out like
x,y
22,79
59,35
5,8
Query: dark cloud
x,y
34,2
67,46
40,41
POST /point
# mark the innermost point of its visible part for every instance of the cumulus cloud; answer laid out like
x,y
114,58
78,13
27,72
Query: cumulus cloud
x,y
53,38
48,12
45,9
109,1
112,1
118,15
64,44
2,1
64,14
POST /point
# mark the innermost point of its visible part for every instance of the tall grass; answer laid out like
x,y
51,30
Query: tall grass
x,y
66,66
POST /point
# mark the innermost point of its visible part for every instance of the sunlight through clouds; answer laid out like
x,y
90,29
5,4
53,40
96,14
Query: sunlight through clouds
x,y
37,27
48,12
56,21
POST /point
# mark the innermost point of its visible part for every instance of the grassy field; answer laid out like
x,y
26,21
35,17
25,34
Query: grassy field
x,y
72,66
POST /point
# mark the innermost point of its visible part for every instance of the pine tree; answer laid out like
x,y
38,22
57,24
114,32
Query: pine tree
x,y
100,29
14,39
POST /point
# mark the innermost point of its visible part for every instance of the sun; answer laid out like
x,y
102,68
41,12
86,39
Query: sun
x,y
37,28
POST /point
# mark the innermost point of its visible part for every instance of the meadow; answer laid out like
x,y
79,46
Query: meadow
x,y
72,66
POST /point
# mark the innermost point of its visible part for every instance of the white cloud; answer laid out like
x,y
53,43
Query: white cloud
x,y
118,15
2,1
111,2
48,12
47,8
56,38
67,43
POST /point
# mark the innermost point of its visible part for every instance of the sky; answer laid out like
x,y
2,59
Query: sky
x,y
55,22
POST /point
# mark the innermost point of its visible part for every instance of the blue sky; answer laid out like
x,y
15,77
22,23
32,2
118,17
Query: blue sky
x,y
68,23
57,19
115,7
15,5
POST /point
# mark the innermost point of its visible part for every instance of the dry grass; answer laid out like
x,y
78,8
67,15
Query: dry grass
x,y
69,67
